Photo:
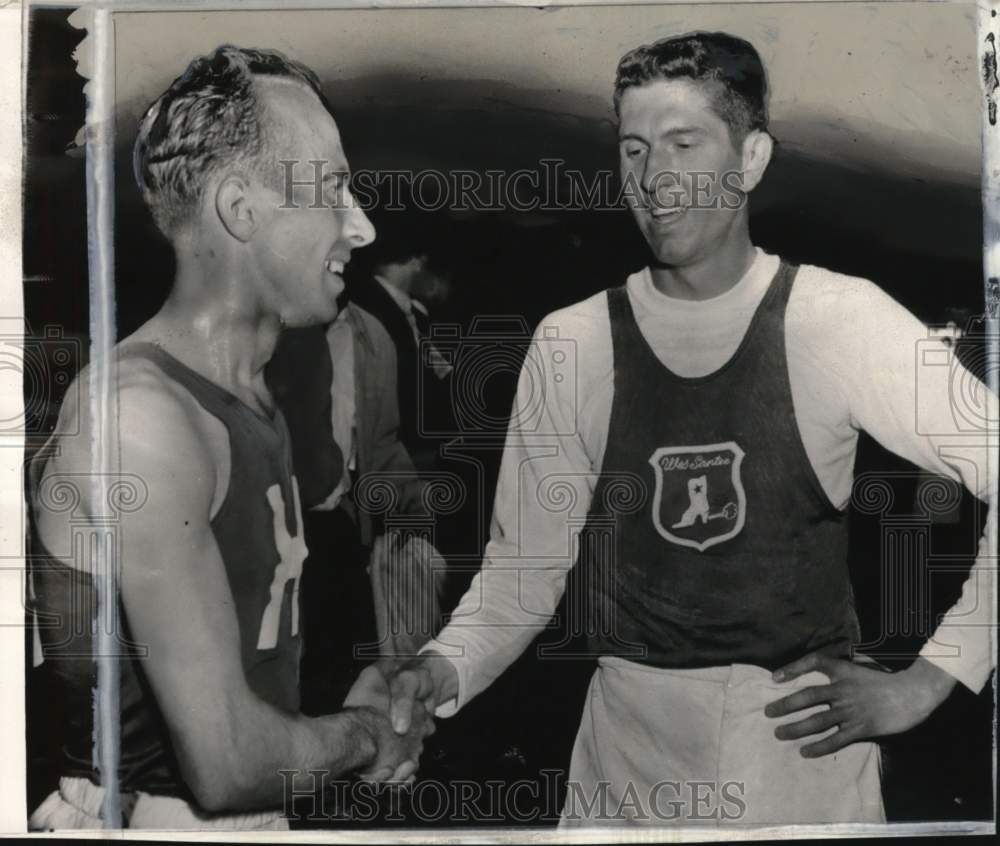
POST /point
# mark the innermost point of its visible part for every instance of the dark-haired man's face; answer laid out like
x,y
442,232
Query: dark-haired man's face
x,y
680,169
431,286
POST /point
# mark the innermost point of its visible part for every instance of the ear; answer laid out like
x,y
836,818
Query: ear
x,y
758,148
234,205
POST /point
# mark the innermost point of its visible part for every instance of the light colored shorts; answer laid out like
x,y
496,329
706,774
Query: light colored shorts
x,y
693,747
77,804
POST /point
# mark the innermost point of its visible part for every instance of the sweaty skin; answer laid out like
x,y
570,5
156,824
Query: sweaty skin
x,y
245,268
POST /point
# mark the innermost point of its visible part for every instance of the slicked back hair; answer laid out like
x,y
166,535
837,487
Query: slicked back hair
x,y
211,117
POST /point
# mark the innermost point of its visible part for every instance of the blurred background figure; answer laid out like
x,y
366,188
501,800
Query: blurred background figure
x,y
398,282
336,386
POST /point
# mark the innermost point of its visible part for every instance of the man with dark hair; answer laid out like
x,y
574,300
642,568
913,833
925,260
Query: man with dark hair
x,y
336,385
729,68
211,559
396,281
697,474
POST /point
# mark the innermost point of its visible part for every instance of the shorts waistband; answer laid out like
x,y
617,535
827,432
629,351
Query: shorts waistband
x,y
147,811
729,674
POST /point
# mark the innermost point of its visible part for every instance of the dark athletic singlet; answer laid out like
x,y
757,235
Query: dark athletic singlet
x,y
710,541
258,531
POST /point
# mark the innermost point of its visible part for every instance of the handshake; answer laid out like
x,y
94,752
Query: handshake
x,y
395,701
395,698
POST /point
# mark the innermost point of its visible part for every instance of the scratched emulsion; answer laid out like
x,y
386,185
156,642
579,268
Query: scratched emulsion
x,y
988,26
990,82
993,297
95,61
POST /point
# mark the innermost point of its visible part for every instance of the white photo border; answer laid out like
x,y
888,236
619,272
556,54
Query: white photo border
x,y
100,140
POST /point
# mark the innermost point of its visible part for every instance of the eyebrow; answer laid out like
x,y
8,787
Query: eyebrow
x,y
677,130
683,130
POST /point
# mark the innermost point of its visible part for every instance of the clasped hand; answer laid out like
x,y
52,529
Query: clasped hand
x,y
399,699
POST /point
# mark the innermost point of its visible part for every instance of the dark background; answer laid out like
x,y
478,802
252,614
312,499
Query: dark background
x,y
917,238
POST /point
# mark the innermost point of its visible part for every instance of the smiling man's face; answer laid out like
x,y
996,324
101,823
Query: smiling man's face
x,y
679,165
306,239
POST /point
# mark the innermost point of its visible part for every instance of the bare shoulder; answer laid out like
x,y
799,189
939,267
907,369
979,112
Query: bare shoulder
x,y
145,425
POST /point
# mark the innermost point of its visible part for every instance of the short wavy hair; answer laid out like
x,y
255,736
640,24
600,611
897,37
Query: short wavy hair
x,y
730,66
211,117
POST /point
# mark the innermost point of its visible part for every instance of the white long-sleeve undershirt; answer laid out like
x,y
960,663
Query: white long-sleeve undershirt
x,y
857,360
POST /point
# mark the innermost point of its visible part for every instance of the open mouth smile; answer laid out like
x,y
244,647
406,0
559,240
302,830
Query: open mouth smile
x,y
663,217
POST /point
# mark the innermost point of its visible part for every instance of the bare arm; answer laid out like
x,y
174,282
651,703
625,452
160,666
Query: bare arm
x,y
230,744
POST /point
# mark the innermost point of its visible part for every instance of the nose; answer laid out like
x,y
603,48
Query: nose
x,y
359,230
658,173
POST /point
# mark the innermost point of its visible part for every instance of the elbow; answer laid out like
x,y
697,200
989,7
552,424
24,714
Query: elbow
x,y
213,797
213,790
215,782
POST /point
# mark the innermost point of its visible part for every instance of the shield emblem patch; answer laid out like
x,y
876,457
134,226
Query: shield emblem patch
x,y
699,499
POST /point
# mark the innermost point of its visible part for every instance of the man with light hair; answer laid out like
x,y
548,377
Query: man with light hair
x,y
211,561
709,444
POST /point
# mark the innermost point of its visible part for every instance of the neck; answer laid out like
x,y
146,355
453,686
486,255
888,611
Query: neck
x,y
708,276
208,323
